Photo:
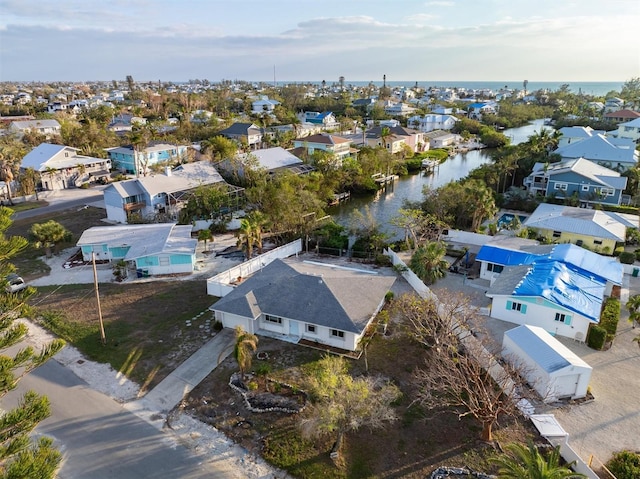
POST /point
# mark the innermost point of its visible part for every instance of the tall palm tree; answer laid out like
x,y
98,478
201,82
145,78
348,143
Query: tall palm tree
x,y
428,262
246,344
526,462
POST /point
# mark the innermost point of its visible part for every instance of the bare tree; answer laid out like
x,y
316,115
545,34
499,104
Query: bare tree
x,y
459,374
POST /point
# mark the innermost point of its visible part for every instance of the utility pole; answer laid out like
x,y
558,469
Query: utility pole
x,y
103,338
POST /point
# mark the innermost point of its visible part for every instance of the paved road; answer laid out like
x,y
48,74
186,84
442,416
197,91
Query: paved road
x,y
100,439
91,196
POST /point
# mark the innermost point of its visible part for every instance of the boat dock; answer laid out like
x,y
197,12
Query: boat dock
x,y
429,165
339,198
383,180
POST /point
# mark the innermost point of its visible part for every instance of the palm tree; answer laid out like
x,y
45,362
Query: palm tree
x,y
250,233
246,345
526,462
428,262
205,235
633,306
48,235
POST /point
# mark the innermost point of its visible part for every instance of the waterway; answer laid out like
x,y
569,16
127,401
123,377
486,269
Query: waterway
x,y
384,204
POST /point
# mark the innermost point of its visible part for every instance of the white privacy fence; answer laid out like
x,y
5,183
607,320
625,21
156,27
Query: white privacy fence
x,y
223,283
490,363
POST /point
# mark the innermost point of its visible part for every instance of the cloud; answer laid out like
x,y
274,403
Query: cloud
x,y
359,47
440,4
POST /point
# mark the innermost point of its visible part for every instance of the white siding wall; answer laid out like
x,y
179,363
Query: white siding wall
x,y
571,380
542,316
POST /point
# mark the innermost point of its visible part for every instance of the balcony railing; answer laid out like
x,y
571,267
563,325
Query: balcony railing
x,y
134,206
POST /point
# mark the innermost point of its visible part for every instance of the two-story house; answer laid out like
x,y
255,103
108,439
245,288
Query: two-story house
x,y
339,147
159,193
61,167
264,105
630,130
581,178
247,133
432,122
618,154
138,161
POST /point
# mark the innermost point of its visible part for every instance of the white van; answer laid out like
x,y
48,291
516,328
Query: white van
x,y
16,283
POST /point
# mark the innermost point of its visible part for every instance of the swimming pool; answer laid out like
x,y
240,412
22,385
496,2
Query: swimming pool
x,y
504,221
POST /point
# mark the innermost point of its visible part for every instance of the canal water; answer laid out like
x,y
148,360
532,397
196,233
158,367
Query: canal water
x,y
384,204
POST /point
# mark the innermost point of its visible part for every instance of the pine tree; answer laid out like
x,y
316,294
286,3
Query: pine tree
x,y
20,457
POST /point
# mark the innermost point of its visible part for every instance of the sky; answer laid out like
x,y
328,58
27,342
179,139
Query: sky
x,y
362,40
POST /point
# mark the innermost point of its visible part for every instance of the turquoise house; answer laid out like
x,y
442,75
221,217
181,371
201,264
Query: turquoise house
x,y
127,160
152,249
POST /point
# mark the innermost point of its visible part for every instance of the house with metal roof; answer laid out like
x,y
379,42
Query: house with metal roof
x,y
272,160
162,193
44,127
296,301
618,154
596,229
549,294
577,178
61,167
551,368
153,249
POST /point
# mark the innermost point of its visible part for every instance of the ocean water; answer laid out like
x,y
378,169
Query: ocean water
x,y
587,88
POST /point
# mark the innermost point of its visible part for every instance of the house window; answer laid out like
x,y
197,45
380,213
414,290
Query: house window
x,y
515,306
494,268
560,186
272,319
335,333
311,328
563,318
597,242
585,187
557,234
606,191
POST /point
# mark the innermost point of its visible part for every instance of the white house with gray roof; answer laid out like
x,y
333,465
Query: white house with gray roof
x,y
61,167
297,301
43,127
158,193
154,249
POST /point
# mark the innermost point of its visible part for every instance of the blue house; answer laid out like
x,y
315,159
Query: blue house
x,y
152,249
589,182
128,160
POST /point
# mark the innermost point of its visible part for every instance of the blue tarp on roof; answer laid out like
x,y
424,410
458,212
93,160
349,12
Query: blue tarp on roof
x,y
505,257
606,268
564,286
586,262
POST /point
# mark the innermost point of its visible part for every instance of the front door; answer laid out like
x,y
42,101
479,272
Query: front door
x,y
293,328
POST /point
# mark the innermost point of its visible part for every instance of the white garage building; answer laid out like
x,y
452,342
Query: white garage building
x,y
551,368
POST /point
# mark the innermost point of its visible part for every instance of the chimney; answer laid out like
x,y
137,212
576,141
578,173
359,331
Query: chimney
x,y
167,171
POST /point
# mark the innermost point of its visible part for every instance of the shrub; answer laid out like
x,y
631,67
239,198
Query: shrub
x,y
627,257
596,337
610,316
389,296
383,260
625,465
618,251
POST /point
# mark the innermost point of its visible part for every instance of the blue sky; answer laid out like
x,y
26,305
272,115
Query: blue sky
x,y
408,40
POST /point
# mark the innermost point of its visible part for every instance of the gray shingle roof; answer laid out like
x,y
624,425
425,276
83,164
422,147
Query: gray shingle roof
x,y
331,297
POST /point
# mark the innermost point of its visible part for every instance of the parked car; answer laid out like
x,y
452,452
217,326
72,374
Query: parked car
x,y
15,283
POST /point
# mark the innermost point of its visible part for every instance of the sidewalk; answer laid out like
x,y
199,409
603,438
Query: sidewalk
x,y
157,403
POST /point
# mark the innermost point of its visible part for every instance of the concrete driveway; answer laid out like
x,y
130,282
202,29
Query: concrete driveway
x,y
611,422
